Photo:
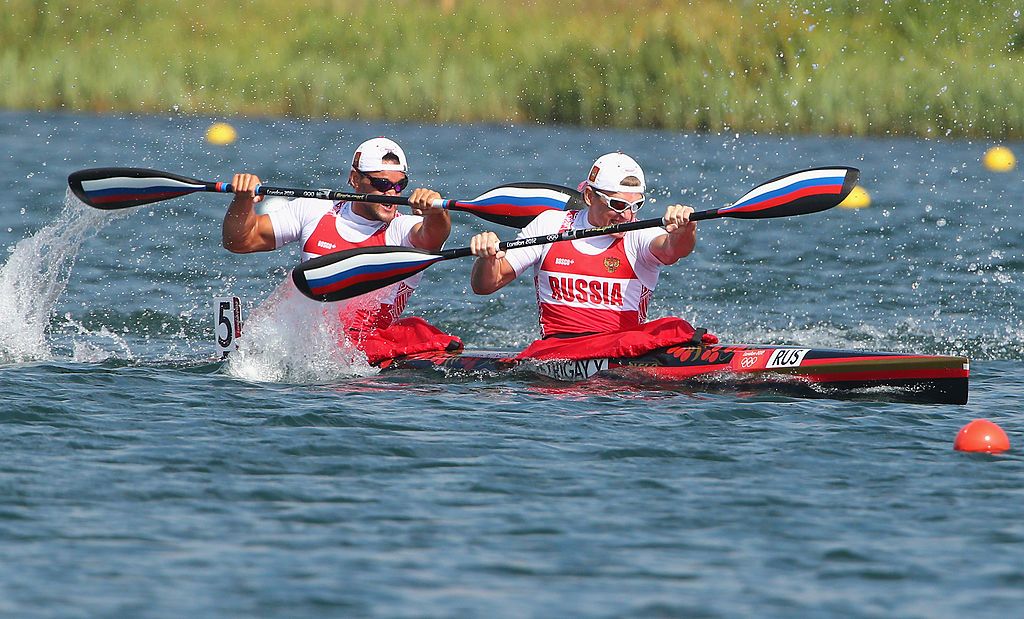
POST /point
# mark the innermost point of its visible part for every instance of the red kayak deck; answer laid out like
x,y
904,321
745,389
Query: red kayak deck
x,y
926,379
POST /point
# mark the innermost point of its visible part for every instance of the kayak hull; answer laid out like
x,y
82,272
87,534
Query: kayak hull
x,y
926,379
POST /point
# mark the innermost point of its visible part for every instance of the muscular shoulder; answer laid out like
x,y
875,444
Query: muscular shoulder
x,y
638,246
302,209
545,223
291,218
400,228
405,222
643,238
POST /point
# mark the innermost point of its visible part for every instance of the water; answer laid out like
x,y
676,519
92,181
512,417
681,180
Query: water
x,y
142,478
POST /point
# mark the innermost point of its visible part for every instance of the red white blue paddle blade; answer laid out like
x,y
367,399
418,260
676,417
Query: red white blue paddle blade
x,y
352,272
517,204
115,188
799,193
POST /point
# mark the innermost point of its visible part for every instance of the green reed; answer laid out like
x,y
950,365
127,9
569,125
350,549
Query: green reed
x,y
900,67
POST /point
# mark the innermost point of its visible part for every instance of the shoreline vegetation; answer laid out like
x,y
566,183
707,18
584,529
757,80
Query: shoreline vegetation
x,y
840,67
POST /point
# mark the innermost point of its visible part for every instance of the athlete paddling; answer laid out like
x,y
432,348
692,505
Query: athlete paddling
x,y
596,290
379,167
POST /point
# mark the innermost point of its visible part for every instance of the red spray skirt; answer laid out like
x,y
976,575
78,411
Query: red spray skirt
x,y
640,340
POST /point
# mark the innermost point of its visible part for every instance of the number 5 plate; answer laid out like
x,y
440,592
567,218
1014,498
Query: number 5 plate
x,y
227,323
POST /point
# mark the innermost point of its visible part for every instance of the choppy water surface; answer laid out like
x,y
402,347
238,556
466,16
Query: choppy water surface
x,y
141,478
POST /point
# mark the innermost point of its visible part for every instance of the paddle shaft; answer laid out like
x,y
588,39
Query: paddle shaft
x,y
331,194
335,195
572,235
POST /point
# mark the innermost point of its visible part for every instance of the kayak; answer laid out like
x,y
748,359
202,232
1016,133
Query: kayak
x,y
805,372
790,370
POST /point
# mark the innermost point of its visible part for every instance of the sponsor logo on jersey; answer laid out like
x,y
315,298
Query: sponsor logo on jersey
x,y
325,245
566,262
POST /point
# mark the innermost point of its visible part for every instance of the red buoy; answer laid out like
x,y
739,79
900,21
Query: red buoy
x,y
982,435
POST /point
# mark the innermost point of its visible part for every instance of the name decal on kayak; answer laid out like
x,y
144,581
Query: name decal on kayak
x,y
571,370
786,357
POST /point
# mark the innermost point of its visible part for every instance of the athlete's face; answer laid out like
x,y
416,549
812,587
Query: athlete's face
x,y
384,182
605,207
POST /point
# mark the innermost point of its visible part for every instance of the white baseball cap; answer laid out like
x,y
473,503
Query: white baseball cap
x,y
610,170
370,155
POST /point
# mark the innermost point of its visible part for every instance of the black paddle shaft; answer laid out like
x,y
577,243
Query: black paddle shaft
x,y
325,194
571,235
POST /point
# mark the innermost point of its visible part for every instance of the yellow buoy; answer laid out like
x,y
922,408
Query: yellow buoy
x,y
221,134
999,159
858,198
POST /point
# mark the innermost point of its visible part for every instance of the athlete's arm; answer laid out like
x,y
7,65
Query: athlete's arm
x,y
433,231
244,231
680,237
491,272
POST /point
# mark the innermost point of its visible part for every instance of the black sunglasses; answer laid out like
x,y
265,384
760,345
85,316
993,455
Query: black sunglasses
x,y
384,185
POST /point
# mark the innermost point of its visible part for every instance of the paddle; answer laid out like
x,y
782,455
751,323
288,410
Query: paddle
x,y
352,272
515,204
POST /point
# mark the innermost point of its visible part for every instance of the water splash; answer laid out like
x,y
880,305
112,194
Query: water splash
x,y
36,274
290,338
89,351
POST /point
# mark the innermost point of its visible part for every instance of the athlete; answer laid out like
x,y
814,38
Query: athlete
x,y
598,285
379,167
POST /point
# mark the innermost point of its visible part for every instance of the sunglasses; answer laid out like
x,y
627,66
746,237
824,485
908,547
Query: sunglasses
x,y
383,185
617,205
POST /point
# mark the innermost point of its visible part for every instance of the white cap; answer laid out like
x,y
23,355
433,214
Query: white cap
x,y
610,170
370,155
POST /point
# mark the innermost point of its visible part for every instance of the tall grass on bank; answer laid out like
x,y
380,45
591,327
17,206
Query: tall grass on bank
x,y
845,67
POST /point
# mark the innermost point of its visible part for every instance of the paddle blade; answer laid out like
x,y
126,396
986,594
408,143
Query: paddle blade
x,y
352,272
517,204
799,193
115,188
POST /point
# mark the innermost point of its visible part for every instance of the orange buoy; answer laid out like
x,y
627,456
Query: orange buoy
x,y
982,435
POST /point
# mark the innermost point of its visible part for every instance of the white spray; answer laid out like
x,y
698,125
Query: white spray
x,y
290,338
36,274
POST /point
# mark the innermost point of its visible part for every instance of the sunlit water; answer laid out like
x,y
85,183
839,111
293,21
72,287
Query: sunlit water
x,y
142,478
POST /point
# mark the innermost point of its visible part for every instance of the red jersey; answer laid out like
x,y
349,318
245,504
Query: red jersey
x,y
579,292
